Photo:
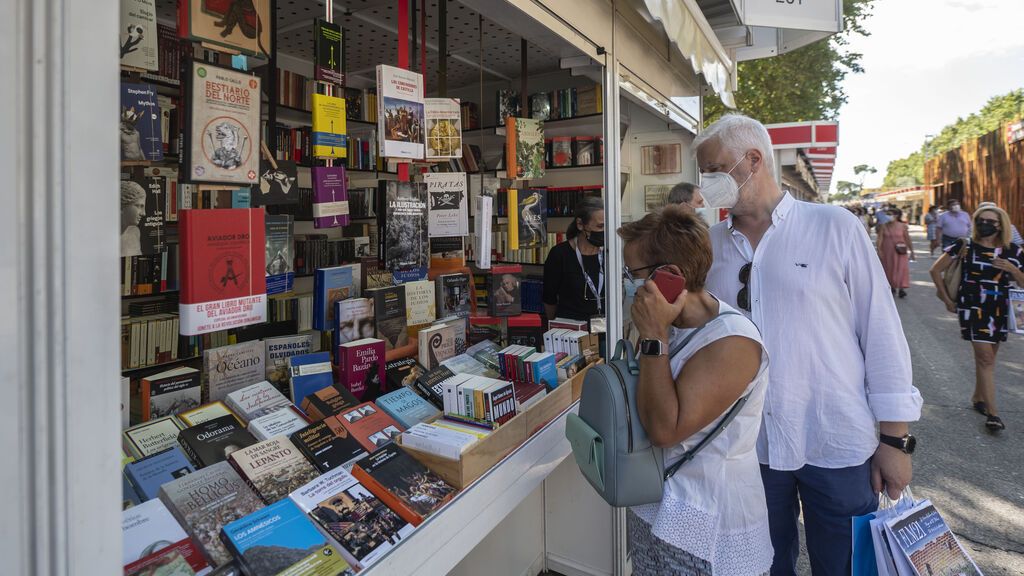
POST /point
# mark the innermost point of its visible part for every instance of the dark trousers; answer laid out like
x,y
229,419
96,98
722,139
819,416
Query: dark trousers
x,y
948,241
829,498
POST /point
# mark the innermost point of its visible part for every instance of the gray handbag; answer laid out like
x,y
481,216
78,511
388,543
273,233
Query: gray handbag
x,y
610,444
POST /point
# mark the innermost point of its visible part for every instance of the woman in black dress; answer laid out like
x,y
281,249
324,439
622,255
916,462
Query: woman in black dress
x,y
574,273
990,262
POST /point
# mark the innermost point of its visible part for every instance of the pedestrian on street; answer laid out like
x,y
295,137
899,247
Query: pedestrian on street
x,y
810,280
1015,236
990,261
954,224
931,223
895,250
881,217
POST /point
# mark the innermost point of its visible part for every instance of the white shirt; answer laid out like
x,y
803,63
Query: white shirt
x,y
840,361
714,506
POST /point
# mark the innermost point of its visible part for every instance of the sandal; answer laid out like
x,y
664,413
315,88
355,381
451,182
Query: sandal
x,y
994,423
981,408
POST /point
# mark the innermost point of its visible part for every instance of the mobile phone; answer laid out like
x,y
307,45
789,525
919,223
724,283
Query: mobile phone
x,y
669,284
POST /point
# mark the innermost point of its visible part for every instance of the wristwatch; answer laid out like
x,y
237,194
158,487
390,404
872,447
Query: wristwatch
x,y
652,347
906,443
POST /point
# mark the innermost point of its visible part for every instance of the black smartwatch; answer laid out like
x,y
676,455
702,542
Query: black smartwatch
x,y
652,347
906,444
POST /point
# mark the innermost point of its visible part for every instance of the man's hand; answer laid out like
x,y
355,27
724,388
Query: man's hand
x,y
892,470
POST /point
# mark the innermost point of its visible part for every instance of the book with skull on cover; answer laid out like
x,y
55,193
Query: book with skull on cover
x,y
448,214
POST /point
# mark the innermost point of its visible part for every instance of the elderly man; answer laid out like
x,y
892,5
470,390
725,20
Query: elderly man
x,y
811,282
686,195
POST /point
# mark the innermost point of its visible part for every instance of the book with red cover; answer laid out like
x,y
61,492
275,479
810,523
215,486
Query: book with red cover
x,y
370,425
223,262
361,368
402,483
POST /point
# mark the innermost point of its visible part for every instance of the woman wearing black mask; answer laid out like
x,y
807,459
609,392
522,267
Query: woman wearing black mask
x,y
574,273
990,262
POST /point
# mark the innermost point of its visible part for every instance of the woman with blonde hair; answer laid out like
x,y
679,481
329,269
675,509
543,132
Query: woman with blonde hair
x,y
989,262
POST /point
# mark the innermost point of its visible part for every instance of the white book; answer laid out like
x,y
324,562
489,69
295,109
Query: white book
x,y
447,211
257,400
149,531
450,388
230,368
280,423
436,440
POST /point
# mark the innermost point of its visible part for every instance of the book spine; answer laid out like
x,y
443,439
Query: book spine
x,y
192,455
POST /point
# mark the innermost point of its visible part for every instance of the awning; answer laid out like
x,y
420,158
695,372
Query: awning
x,y
814,141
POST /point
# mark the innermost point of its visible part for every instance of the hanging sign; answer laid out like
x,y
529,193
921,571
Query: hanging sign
x,y
821,15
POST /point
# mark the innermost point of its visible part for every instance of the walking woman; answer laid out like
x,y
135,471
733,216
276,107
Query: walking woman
x,y
931,224
989,262
895,250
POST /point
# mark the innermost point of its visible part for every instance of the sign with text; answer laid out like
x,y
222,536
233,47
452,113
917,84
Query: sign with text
x,y
822,15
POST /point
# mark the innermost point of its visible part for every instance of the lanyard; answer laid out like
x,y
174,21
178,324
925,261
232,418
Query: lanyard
x,y
600,275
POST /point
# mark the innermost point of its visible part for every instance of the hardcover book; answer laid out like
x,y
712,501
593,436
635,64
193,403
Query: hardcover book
x,y
223,284
138,34
143,202
420,302
278,351
329,127
273,468
328,401
213,441
447,253
527,218
141,137
204,501
309,373
327,444
278,184
453,295
358,521
402,221
389,309
400,122
355,319
402,373
327,53
436,344
222,136
361,368
444,127
403,484
407,407
204,413
524,148
281,540
586,151
155,543
151,437
430,385
284,422
257,400
330,197
149,474
505,296
244,27
170,392
331,285
371,426
561,151
233,367
447,196
280,254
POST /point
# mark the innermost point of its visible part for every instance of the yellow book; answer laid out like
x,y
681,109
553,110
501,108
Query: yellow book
x,y
513,218
329,127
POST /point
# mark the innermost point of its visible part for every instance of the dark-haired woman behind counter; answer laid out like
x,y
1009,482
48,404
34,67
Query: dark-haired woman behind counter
x,y
574,275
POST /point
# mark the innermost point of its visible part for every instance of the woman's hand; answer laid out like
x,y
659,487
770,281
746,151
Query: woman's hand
x,y
950,305
652,314
1007,266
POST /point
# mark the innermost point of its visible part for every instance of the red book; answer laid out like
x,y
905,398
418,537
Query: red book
x,y
223,263
361,368
370,425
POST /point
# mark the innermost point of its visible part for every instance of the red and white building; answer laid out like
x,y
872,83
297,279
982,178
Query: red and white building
x,y
805,156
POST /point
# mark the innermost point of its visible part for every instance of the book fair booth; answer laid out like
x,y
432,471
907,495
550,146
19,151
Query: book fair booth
x,y
324,307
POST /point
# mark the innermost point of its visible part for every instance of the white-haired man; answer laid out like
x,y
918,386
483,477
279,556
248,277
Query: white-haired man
x,y
808,277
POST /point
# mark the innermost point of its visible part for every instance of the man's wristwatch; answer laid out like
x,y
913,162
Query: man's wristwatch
x,y
652,347
906,443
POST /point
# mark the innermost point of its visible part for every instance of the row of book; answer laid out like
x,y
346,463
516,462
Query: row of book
x,y
554,105
567,151
152,274
557,201
317,251
502,251
295,90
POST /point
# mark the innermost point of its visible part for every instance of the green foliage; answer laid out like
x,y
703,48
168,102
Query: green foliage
x,y
905,172
844,187
802,85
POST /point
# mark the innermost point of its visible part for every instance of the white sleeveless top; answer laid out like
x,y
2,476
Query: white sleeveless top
x,y
714,506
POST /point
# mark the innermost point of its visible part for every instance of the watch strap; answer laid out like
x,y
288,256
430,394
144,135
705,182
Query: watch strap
x,y
897,442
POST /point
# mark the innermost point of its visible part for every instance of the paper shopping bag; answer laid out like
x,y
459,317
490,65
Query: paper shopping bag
x,y
863,548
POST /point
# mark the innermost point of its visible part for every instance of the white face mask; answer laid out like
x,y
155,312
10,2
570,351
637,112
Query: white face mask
x,y
630,287
720,189
955,208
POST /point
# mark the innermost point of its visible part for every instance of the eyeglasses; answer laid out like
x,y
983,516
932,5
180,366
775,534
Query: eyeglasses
x,y
987,221
743,297
628,275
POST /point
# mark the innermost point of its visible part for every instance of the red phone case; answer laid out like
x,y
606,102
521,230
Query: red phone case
x,y
669,284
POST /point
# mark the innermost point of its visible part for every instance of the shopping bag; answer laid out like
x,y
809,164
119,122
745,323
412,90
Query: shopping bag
x,y
922,544
888,508
864,563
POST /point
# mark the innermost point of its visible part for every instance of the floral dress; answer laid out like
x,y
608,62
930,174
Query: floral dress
x,y
984,291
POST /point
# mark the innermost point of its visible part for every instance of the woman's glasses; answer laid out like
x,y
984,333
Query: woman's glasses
x,y
628,275
743,298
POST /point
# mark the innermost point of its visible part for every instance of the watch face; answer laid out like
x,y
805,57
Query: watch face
x,y
909,444
651,347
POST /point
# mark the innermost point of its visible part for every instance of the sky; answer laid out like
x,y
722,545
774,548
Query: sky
x,y
927,62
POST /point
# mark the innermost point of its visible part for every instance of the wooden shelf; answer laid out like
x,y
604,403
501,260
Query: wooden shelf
x,y
147,296
587,167
509,262
161,365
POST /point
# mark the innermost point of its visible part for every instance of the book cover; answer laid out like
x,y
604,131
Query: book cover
x,y
402,372
453,295
524,148
138,34
328,401
371,426
420,302
355,319
327,444
358,521
400,112
460,331
155,543
389,309
444,127
407,408
283,422
361,368
526,330
257,400
447,253
143,202
402,221
436,344
1016,306
233,367
170,392
327,56
331,285
206,500
448,214
278,351
508,105
281,540
330,197
430,385
437,440
540,106
586,151
222,136
309,373
925,540
141,136
403,484
329,127
222,255
505,297
151,437
278,185
273,468
205,413
213,441
149,474
561,151
280,254
241,26
482,229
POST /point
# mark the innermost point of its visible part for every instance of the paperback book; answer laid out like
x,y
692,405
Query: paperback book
x,y
331,285
389,309
284,422
329,127
402,220
278,183
222,136
151,437
527,218
355,319
402,373
369,425
407,407
403,484
924,540
257,400
149,474
278,351
143,202
420,302
242,27
524,148
436,344
280,254
453,295
170,392
400,112
138,34
330,197
141,137
361,368
204,413
505,296
233,367
327,52
444,127
273,468
447,197
328,401
213,441
309,373
155,543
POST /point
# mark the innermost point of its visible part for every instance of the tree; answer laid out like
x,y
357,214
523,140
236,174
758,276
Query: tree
x,y
846,190
802,85
863,170
905,172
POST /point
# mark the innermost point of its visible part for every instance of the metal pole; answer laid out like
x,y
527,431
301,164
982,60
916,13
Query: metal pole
x,y
523,72
442,48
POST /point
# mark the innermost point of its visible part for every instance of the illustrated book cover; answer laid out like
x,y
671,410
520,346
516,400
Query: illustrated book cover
x,y
331,285
278,350
402,222
328,401
354,319
327,444
149,474
233,367
222,135
402,483
370,425
241,26
213,441
524,148
420,302
407,407
155,543
143,211
138,39
444,127
273,468
141,136
278,185
389,307
169,393
400,122
280,254
448,204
